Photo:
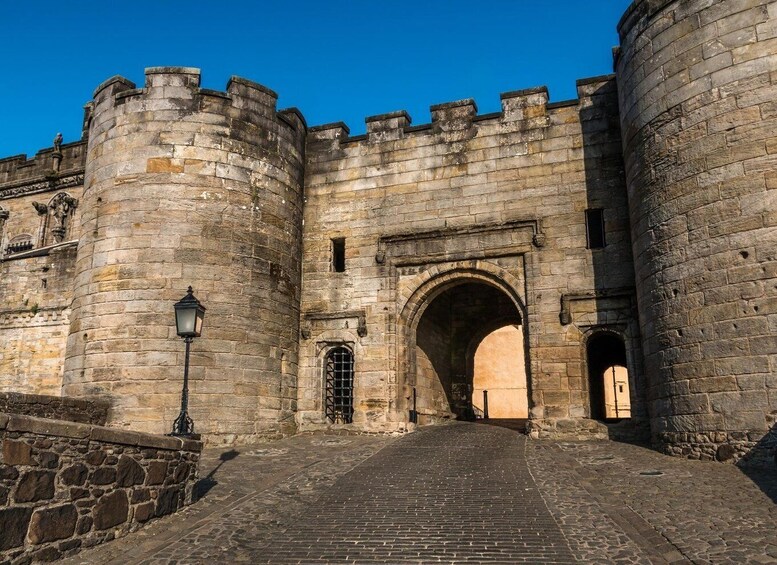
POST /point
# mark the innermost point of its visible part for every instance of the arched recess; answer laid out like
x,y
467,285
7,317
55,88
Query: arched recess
x,y
427,288
56,218
610,382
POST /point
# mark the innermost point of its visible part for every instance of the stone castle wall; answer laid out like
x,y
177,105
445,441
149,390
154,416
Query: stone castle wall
x,y
36,273
503,193
187,186
83,410
697,89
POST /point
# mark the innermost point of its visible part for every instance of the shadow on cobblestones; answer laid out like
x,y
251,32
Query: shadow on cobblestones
x,y
765,478
460,493
205,484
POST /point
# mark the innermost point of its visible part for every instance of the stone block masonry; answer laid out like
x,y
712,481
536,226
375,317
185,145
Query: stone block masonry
x,y
85,411
65,486
349,280
697,83
188,186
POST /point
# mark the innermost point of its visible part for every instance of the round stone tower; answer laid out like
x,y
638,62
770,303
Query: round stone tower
x,y
696,82
188,186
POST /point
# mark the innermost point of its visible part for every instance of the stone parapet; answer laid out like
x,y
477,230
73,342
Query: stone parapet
x,y
65,486
83,410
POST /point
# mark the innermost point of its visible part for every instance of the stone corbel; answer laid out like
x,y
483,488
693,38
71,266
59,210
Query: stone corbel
x,y
380,256
41,208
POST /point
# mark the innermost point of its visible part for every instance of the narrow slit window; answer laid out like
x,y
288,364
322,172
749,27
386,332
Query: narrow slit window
x,y
338,254
594,228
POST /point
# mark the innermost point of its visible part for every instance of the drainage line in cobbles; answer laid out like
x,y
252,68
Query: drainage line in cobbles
x,y
542,496
658,547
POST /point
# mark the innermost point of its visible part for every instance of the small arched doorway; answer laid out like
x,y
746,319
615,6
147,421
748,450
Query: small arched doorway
x,y
454,321
608,378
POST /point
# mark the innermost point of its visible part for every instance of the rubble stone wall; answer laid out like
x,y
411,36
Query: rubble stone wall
x,y
66,486
698,83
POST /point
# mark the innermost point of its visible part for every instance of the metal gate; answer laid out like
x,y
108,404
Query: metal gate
x,y
339,386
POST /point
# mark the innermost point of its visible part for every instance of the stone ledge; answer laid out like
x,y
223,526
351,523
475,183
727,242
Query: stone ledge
x,y
92,411
75,430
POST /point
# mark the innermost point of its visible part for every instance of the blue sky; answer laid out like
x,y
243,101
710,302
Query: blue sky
x,y
336,60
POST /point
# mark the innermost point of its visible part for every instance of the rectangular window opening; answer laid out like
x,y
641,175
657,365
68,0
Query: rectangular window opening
x,y
594,228
338,254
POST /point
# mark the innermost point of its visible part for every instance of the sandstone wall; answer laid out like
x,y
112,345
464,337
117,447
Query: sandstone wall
x,y
187,186
36,271
491,198
67,486
696,80
83,410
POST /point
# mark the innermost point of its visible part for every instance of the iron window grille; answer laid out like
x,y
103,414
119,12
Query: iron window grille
x,y
339,386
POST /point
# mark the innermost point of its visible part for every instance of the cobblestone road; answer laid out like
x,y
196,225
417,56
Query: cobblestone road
x,y
462,493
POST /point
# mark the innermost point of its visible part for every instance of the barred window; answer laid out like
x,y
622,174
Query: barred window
x,y
339,386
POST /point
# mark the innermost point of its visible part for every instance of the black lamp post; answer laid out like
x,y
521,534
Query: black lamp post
x,y
188,324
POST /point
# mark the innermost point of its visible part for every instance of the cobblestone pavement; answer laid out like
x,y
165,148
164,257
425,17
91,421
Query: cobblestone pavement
x,y
462,493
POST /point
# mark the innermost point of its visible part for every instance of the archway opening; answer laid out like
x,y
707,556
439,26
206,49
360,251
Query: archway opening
x,y
499,375
608,378
447,336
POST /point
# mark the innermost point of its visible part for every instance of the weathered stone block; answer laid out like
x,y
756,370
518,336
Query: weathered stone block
x,y
157,471
16,452
50,524
111,510
144,512
13,525
129,472
74,475
168,500
35,486
104,476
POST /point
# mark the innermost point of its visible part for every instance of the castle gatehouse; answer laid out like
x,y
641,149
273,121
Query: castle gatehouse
x,y
601,267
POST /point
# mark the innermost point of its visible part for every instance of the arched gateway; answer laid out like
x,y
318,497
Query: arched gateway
x,y
443,322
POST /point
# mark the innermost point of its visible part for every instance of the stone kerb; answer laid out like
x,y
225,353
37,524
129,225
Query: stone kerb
x,y
65,486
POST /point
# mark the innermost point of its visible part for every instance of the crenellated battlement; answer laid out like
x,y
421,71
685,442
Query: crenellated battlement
x,y
522,110
48,163
177,89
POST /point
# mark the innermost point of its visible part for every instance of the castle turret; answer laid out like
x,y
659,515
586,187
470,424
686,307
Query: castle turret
x,y
188,186
696,87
